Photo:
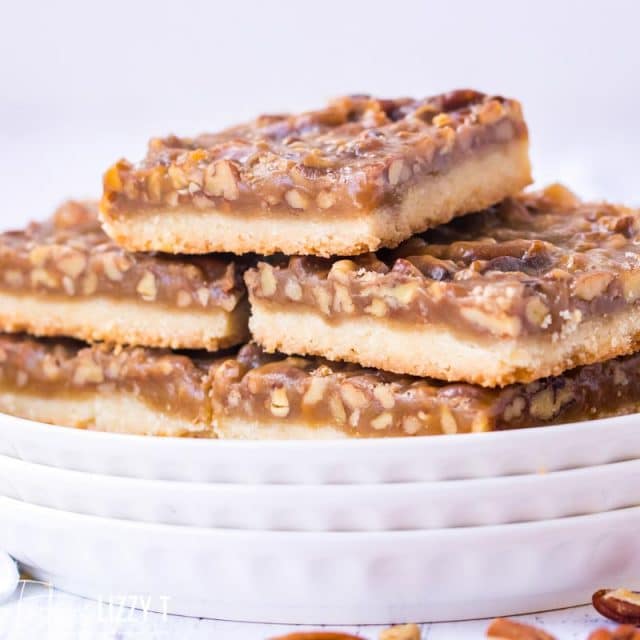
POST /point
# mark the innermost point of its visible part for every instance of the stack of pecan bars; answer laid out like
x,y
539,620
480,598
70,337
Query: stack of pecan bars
x,y
507,309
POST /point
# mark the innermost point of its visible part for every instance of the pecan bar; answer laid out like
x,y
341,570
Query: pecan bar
x,y
66,277
261,396
529,288
126,390
257,395
360,174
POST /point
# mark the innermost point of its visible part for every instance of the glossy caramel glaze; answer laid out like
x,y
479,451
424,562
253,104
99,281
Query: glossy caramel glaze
x,y
70,256
354,155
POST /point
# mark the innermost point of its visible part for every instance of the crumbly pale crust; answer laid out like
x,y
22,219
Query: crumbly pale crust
x,y
534,286
122,413
248,429
128,390
65,277
77,411
124,322
360,174
254,395
439,352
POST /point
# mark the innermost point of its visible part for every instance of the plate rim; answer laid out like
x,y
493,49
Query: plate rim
x,y
488,481
349,537
314,444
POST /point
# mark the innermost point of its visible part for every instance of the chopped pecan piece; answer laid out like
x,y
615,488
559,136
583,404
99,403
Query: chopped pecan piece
x,y
401,632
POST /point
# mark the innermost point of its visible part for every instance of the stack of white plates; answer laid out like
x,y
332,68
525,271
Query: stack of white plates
x,y
336,532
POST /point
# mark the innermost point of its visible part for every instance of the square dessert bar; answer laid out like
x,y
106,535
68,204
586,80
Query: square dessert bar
x,y
256,395
66,277
126,390
260,396
360,174
536,285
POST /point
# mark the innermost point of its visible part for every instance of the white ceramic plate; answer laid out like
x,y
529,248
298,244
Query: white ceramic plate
x,y
332,578
8,577
326,462
360,507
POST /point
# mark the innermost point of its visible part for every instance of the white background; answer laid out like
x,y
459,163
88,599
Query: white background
x,y
83,83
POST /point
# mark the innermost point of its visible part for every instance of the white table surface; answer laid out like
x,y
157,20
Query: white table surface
x,y
39,611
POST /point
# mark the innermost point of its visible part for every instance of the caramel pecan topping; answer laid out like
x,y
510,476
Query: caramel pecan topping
x,y
166,381
70,255
268,388
357,153
539,262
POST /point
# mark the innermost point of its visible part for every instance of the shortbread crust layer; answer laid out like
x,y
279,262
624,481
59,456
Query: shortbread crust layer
x,y
65,277
437,351
124,322
361,174
117,413
534,286
126,390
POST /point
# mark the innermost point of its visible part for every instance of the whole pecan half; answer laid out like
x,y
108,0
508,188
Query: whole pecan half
x,y
619,605
504,629
624,632
317,635
401,632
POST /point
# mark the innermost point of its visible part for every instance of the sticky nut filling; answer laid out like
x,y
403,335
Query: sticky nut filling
x,y
165,381
271,389
354,155
69,255
535,263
